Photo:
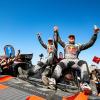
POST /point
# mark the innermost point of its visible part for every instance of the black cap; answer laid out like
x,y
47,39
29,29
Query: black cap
x,y
71,36
50,39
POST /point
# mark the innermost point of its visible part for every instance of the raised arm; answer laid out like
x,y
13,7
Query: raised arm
x,y
41,42
92,40
58,37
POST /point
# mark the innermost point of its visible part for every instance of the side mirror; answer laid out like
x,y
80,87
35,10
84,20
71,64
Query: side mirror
x,y
18,52
41,55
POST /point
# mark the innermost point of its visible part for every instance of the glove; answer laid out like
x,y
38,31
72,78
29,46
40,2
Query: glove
x,y
55,28
38,34
96,29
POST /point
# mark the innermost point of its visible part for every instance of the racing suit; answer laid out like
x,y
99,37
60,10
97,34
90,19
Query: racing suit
x,y
52,54
71,53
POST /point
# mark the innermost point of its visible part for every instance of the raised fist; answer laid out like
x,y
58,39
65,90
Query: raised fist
x,y
96,29
38,34
55,28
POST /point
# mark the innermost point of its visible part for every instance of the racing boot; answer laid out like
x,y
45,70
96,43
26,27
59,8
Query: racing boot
x,y
46,72
52,83
45,80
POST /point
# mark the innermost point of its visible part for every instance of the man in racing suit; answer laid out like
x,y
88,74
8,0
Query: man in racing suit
x,y
71,53
51,48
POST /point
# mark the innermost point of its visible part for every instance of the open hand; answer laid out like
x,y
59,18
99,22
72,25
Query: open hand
x,y
96,29
55,28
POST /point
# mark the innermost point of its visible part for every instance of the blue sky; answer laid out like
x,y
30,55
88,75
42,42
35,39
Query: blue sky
x,y
20,20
